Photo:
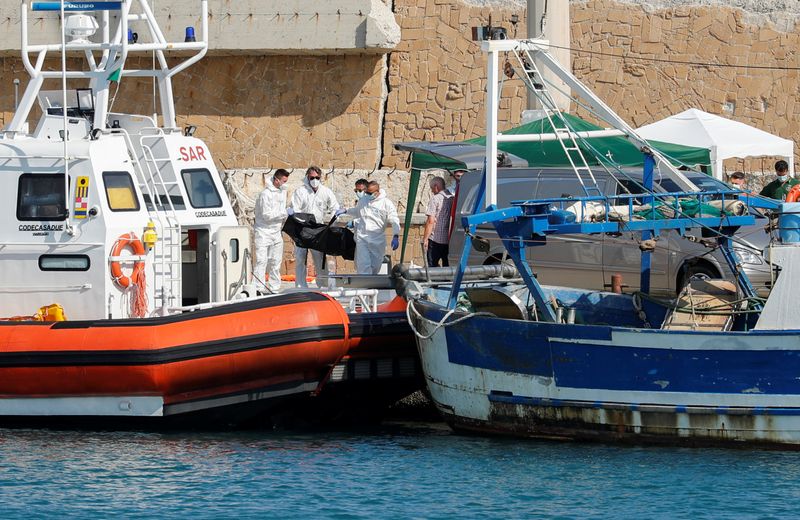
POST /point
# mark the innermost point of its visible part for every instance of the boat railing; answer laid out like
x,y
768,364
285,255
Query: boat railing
x,y
114,49
53,157
628,212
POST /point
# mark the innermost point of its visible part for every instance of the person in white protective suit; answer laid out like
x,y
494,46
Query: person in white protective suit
x,y
372,213
270,213
312,197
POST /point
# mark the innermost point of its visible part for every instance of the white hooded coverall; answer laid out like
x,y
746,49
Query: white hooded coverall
x,y
270,213
372,215
322,204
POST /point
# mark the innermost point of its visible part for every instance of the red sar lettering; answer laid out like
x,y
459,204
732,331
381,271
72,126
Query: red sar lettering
x,y
193,153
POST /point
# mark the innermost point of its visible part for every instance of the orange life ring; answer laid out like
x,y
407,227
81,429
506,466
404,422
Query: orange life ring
x,y
137,248
794,193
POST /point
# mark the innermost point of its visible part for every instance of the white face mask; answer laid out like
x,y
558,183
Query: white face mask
x,y
314,183
284,187
783,178
360,195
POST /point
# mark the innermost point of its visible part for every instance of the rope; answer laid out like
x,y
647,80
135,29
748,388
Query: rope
x,y
139,300
441,323
637,306
241,202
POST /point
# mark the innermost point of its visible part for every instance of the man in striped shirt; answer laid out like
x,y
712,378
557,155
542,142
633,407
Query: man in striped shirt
x,y
437,226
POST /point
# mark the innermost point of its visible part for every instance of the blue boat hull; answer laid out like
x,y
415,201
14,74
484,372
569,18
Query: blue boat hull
x,y
605,382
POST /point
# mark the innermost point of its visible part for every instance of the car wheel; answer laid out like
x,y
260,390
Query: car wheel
x,y
700,272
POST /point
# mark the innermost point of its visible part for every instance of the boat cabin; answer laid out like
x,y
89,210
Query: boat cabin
x,y
111,215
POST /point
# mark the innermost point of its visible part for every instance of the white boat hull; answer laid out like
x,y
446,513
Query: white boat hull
x,y
556,405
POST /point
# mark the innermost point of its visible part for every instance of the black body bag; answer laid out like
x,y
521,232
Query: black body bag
x,y
305,232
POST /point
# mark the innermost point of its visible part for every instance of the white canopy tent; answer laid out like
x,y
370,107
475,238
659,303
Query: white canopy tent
x,y
723,137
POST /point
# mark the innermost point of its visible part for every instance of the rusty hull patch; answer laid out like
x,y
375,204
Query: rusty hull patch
x,y
625,426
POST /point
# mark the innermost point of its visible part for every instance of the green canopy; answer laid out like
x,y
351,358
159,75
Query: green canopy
x,y
617,149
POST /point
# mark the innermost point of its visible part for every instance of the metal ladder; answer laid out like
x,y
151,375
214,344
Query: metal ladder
x,y
167,250
566,137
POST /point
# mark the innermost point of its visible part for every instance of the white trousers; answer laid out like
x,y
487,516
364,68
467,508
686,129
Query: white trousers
x,y
369,257
268,260
300,271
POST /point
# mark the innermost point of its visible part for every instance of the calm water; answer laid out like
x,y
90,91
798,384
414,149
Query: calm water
x,y
408,471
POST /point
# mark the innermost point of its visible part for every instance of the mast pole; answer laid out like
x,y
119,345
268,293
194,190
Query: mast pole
x,y
67,227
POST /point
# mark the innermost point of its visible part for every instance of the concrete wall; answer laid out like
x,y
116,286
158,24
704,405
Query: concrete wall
x,y
244,26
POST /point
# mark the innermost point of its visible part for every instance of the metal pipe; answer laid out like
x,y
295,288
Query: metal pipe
x,y
527,138
472,272
134,47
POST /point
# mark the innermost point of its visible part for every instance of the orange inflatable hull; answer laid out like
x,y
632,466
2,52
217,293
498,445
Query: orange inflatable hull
x,y
245,353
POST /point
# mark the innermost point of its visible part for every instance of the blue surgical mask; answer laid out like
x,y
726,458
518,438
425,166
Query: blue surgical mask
x,y
373,196
783,178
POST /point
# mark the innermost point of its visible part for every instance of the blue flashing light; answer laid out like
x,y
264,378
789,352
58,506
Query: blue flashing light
x,y
77,6
190,35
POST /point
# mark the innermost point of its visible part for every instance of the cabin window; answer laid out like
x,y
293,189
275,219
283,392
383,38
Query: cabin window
x,y
41,197
64,263
200,187
234,247
119,191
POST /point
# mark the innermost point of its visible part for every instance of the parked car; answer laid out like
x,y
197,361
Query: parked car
x,y
589,261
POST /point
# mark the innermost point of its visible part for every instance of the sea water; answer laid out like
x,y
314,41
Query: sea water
x,y
396,471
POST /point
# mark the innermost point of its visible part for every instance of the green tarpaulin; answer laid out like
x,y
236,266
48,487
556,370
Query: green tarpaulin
x,y
550,154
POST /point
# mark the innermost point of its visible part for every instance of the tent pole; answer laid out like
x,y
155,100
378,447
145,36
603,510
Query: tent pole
x,y
716,164
413,183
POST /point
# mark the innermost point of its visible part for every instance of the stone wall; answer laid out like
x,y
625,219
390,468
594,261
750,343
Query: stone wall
x,y
437,74
663,72
347,111
265,111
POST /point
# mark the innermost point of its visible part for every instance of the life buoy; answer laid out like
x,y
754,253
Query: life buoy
x,y
129,240
794,193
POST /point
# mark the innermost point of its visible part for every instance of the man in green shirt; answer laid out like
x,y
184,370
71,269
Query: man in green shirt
x,y
778,188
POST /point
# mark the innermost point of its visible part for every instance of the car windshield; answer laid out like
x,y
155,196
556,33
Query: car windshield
x,y
704,182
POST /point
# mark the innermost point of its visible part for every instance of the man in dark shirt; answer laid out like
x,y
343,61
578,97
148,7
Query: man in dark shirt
x,y
778,188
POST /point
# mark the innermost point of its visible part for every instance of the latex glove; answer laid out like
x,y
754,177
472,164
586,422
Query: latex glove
x,y
395,242
289,211
339,211
349,225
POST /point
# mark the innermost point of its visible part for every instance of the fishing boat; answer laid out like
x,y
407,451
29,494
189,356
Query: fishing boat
x,y
125,277
717,365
